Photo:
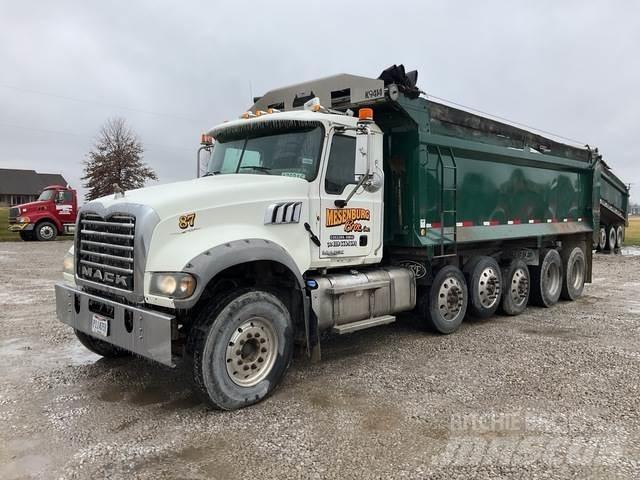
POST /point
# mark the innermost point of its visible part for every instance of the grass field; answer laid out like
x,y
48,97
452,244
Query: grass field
x,y
632,235
6,235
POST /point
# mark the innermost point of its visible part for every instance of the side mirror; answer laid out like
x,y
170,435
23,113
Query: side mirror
x,y
362,166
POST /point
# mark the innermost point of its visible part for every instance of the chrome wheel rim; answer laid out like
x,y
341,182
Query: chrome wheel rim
x,y
450,298
46,232
489,287
251,352
619,234
576,277
519,287
603,238
553,279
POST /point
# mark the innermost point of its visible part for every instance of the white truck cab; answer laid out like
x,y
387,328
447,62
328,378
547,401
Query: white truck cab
x,y
261,246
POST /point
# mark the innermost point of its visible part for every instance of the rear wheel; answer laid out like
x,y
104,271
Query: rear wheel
x,y
46,231
100,347
602,239
612,238
445,304
239,349
484,281
546,279
515,294
574,266
619,236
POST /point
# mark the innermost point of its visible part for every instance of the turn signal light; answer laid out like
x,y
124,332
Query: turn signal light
x,y
365,114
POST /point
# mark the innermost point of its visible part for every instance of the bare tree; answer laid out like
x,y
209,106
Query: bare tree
x,y
115,161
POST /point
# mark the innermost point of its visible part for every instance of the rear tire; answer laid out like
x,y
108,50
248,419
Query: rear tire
x,y
619,236
484,281
515,294
445,305
46,232
546,279
602,239
574,266
612,238
240,348
100,347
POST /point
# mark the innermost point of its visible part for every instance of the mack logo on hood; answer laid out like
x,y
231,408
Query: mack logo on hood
x,y
101,276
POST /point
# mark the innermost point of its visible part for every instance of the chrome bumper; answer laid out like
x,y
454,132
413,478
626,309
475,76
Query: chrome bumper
x,y
19,227
148,335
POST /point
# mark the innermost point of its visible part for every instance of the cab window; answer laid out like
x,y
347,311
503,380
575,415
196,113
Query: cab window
x,y
340,167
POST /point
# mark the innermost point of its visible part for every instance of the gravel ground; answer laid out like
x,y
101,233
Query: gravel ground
x,y
552,393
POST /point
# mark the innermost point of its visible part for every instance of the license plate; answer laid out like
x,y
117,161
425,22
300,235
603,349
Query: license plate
x,y
100,325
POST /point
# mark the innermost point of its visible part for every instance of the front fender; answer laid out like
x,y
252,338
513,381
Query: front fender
x,y
210,263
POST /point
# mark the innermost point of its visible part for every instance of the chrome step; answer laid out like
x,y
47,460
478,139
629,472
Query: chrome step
x,y
362,324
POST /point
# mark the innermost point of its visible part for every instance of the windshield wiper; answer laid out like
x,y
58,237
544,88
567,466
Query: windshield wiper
x,y
208,174
256,167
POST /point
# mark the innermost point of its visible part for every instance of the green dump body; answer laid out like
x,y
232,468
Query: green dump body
x,y
453,178
614,196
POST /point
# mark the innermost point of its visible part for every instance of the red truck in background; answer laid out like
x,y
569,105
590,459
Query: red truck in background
x,y
53,214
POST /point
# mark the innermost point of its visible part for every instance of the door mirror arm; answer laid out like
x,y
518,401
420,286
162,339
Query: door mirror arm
x,y
340,203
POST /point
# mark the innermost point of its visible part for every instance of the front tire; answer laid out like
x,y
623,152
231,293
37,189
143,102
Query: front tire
x,y
46,232
546,279
240,349
100,347
484,281
26,236
574,266
445,305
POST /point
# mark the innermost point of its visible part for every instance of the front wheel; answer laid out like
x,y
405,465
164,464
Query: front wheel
x,y
240,349
26,236
46,231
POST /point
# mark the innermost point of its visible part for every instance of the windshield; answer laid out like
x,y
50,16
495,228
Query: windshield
x,y
290,153
47,195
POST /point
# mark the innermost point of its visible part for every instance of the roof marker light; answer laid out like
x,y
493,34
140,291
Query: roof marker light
x,y
206,139
365,114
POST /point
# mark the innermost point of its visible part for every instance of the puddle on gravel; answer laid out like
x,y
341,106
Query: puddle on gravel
x,y
554,332
631,251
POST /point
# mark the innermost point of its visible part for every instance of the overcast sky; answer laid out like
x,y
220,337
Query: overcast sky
x,y
173,69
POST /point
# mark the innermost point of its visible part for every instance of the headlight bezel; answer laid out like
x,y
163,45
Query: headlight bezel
x,y
174,285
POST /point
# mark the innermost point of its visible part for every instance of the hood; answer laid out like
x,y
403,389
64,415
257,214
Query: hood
x,y
215,191
33,206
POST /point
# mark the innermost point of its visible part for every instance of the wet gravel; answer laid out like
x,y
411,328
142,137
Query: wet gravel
x,y
552,393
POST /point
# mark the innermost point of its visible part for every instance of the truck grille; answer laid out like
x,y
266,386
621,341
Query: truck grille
x,y
13,214
105,249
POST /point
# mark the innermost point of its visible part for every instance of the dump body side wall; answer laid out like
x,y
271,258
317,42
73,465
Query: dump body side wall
x,y
614,197
498,192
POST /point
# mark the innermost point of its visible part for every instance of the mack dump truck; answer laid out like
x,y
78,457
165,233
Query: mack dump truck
x,y
330,207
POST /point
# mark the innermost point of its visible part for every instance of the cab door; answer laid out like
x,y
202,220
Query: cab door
x,y
351,232
65,206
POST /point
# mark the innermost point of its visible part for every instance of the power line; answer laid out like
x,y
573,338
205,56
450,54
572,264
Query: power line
x,y
84,135
102,104
513,122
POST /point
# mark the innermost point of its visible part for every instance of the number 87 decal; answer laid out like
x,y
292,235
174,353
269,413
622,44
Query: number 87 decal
x,y
187,220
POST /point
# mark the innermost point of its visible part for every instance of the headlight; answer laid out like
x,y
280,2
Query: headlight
x,y
68,264
23,220
175,285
